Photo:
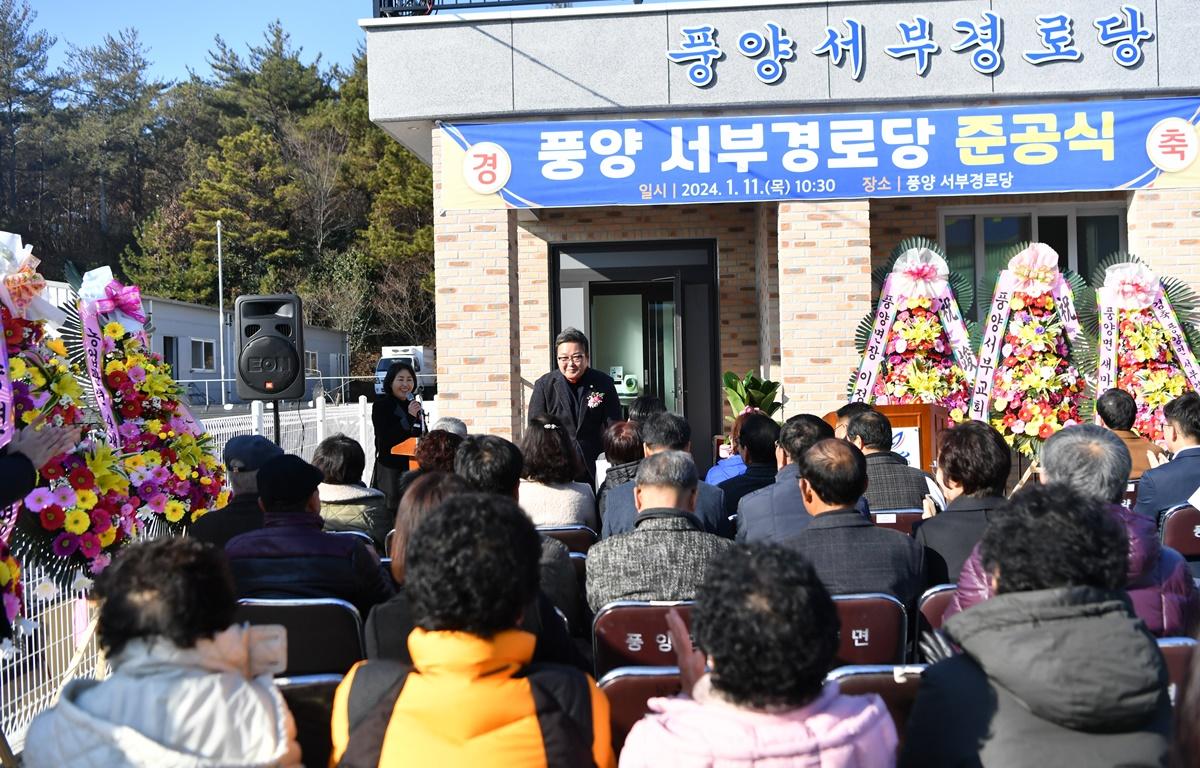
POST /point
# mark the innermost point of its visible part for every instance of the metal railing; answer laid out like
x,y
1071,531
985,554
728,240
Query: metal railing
x,y
334,390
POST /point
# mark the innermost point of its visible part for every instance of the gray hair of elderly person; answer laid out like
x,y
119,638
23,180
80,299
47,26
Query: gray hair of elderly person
x,y
450,424
668,469
1088,458
243,482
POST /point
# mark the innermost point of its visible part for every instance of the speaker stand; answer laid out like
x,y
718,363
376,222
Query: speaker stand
x,y
275,418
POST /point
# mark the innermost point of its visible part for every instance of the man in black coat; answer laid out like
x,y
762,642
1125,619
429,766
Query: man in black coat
x,y
583,399
851,554
756,443
244,455
1174,482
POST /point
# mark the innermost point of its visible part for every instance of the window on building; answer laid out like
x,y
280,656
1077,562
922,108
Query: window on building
x,y
170,353
976,239
310,360
204,355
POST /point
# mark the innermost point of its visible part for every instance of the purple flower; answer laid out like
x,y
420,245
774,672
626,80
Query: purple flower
x,y
12,606
157,503
65,544
137,374
139,475
146,490
108,345
160,475
129,430
38,499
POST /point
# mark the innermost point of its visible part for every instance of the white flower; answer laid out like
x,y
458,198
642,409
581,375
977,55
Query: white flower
x,y
45,590
81,584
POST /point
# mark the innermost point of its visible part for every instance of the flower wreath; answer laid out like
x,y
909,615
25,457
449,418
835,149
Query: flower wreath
x,y
1145,333
915,345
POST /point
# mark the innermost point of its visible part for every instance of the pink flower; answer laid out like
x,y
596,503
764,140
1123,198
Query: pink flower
x,y
12,606
89,545
100,562
38,499
64,496
157,502
137,374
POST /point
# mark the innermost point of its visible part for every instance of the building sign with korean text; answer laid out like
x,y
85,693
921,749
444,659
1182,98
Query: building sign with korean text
x,y
1123,31
1079,146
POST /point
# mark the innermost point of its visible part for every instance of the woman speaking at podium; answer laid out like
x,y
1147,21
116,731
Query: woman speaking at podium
x,y
397,415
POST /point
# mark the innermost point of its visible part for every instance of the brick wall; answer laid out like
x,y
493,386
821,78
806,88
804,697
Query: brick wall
x,y
825,269
1164,229
475,262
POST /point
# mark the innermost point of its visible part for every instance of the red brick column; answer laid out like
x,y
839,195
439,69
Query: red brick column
x,y
824,291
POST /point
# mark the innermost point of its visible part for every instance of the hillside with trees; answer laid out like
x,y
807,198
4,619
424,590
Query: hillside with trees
x,y
101,163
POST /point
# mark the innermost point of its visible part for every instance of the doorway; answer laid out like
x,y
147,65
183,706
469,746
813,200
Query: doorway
x,y
649,312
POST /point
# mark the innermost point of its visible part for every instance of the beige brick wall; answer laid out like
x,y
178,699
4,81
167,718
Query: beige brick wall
x,y
825,269
475,263
1164,229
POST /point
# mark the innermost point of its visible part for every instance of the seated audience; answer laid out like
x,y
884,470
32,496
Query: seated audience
x,y
776,512
1055,670
893,484
450,424
347,504
623,449
972,469
769,632
290,556
244,455
492,464
852,554
844,414
1118,410
187,686
435,453
390,623
472,697
662,432
547,492
757,442
1093,461
732,464
645,406
664,556
1173,483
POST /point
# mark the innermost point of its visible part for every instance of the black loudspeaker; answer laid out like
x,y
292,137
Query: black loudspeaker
x,y
270,347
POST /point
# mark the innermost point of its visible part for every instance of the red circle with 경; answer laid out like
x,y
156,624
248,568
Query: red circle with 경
x,y
487,167
1172,144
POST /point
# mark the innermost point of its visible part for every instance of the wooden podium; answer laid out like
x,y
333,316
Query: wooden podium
x,y
916,430
408,449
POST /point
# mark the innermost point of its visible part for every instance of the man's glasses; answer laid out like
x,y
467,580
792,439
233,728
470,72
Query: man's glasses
x,y
577,359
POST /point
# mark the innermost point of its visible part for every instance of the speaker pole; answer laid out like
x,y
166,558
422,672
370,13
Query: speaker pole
x,y
275,418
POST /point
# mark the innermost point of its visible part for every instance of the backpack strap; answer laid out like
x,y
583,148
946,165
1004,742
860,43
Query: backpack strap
x,y
373,694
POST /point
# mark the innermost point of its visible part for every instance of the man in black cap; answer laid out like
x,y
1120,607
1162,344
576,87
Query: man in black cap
x,y
290,556
244,455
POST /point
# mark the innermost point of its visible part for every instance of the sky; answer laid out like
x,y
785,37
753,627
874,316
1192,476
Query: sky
x,y
179,35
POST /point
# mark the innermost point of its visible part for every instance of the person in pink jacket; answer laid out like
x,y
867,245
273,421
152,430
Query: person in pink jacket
x,y
768,632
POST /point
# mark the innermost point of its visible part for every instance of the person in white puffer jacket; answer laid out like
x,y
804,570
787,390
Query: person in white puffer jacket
x,y
188,687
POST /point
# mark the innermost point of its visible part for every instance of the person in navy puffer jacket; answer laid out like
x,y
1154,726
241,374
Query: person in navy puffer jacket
x,y
1093,460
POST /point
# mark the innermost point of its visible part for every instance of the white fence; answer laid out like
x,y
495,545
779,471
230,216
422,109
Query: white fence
x,y
57,639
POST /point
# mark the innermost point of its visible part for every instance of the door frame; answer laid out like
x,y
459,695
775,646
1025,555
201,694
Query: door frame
x,y
645,290
706,273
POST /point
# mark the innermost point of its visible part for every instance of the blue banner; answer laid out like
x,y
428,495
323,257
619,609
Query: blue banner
x,y
1082,146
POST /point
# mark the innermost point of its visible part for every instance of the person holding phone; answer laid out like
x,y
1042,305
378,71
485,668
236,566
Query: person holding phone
x,y
397,415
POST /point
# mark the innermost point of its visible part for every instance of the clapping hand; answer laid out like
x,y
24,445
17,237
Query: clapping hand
x,y
1156,459
691,662
928,507
42,445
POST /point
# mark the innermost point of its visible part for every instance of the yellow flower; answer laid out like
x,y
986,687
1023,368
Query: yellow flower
x,y
114,365
136,461
114,330
30,415
108,537
66,386
37,378
181,470
153,458
222,498
205,480
111,481
199,513
5,575
100,459
77,521
154,425
174,511
57,347
85,498
16,368
957,415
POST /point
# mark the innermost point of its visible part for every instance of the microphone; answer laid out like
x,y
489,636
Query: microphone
x,y
416,395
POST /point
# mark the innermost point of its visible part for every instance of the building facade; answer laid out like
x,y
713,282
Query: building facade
x,y
705,187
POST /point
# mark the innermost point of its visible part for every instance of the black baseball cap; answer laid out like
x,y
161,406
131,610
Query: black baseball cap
x,y
287,479
246,453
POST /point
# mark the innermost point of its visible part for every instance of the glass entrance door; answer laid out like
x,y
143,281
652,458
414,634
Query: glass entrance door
x,y
636,339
